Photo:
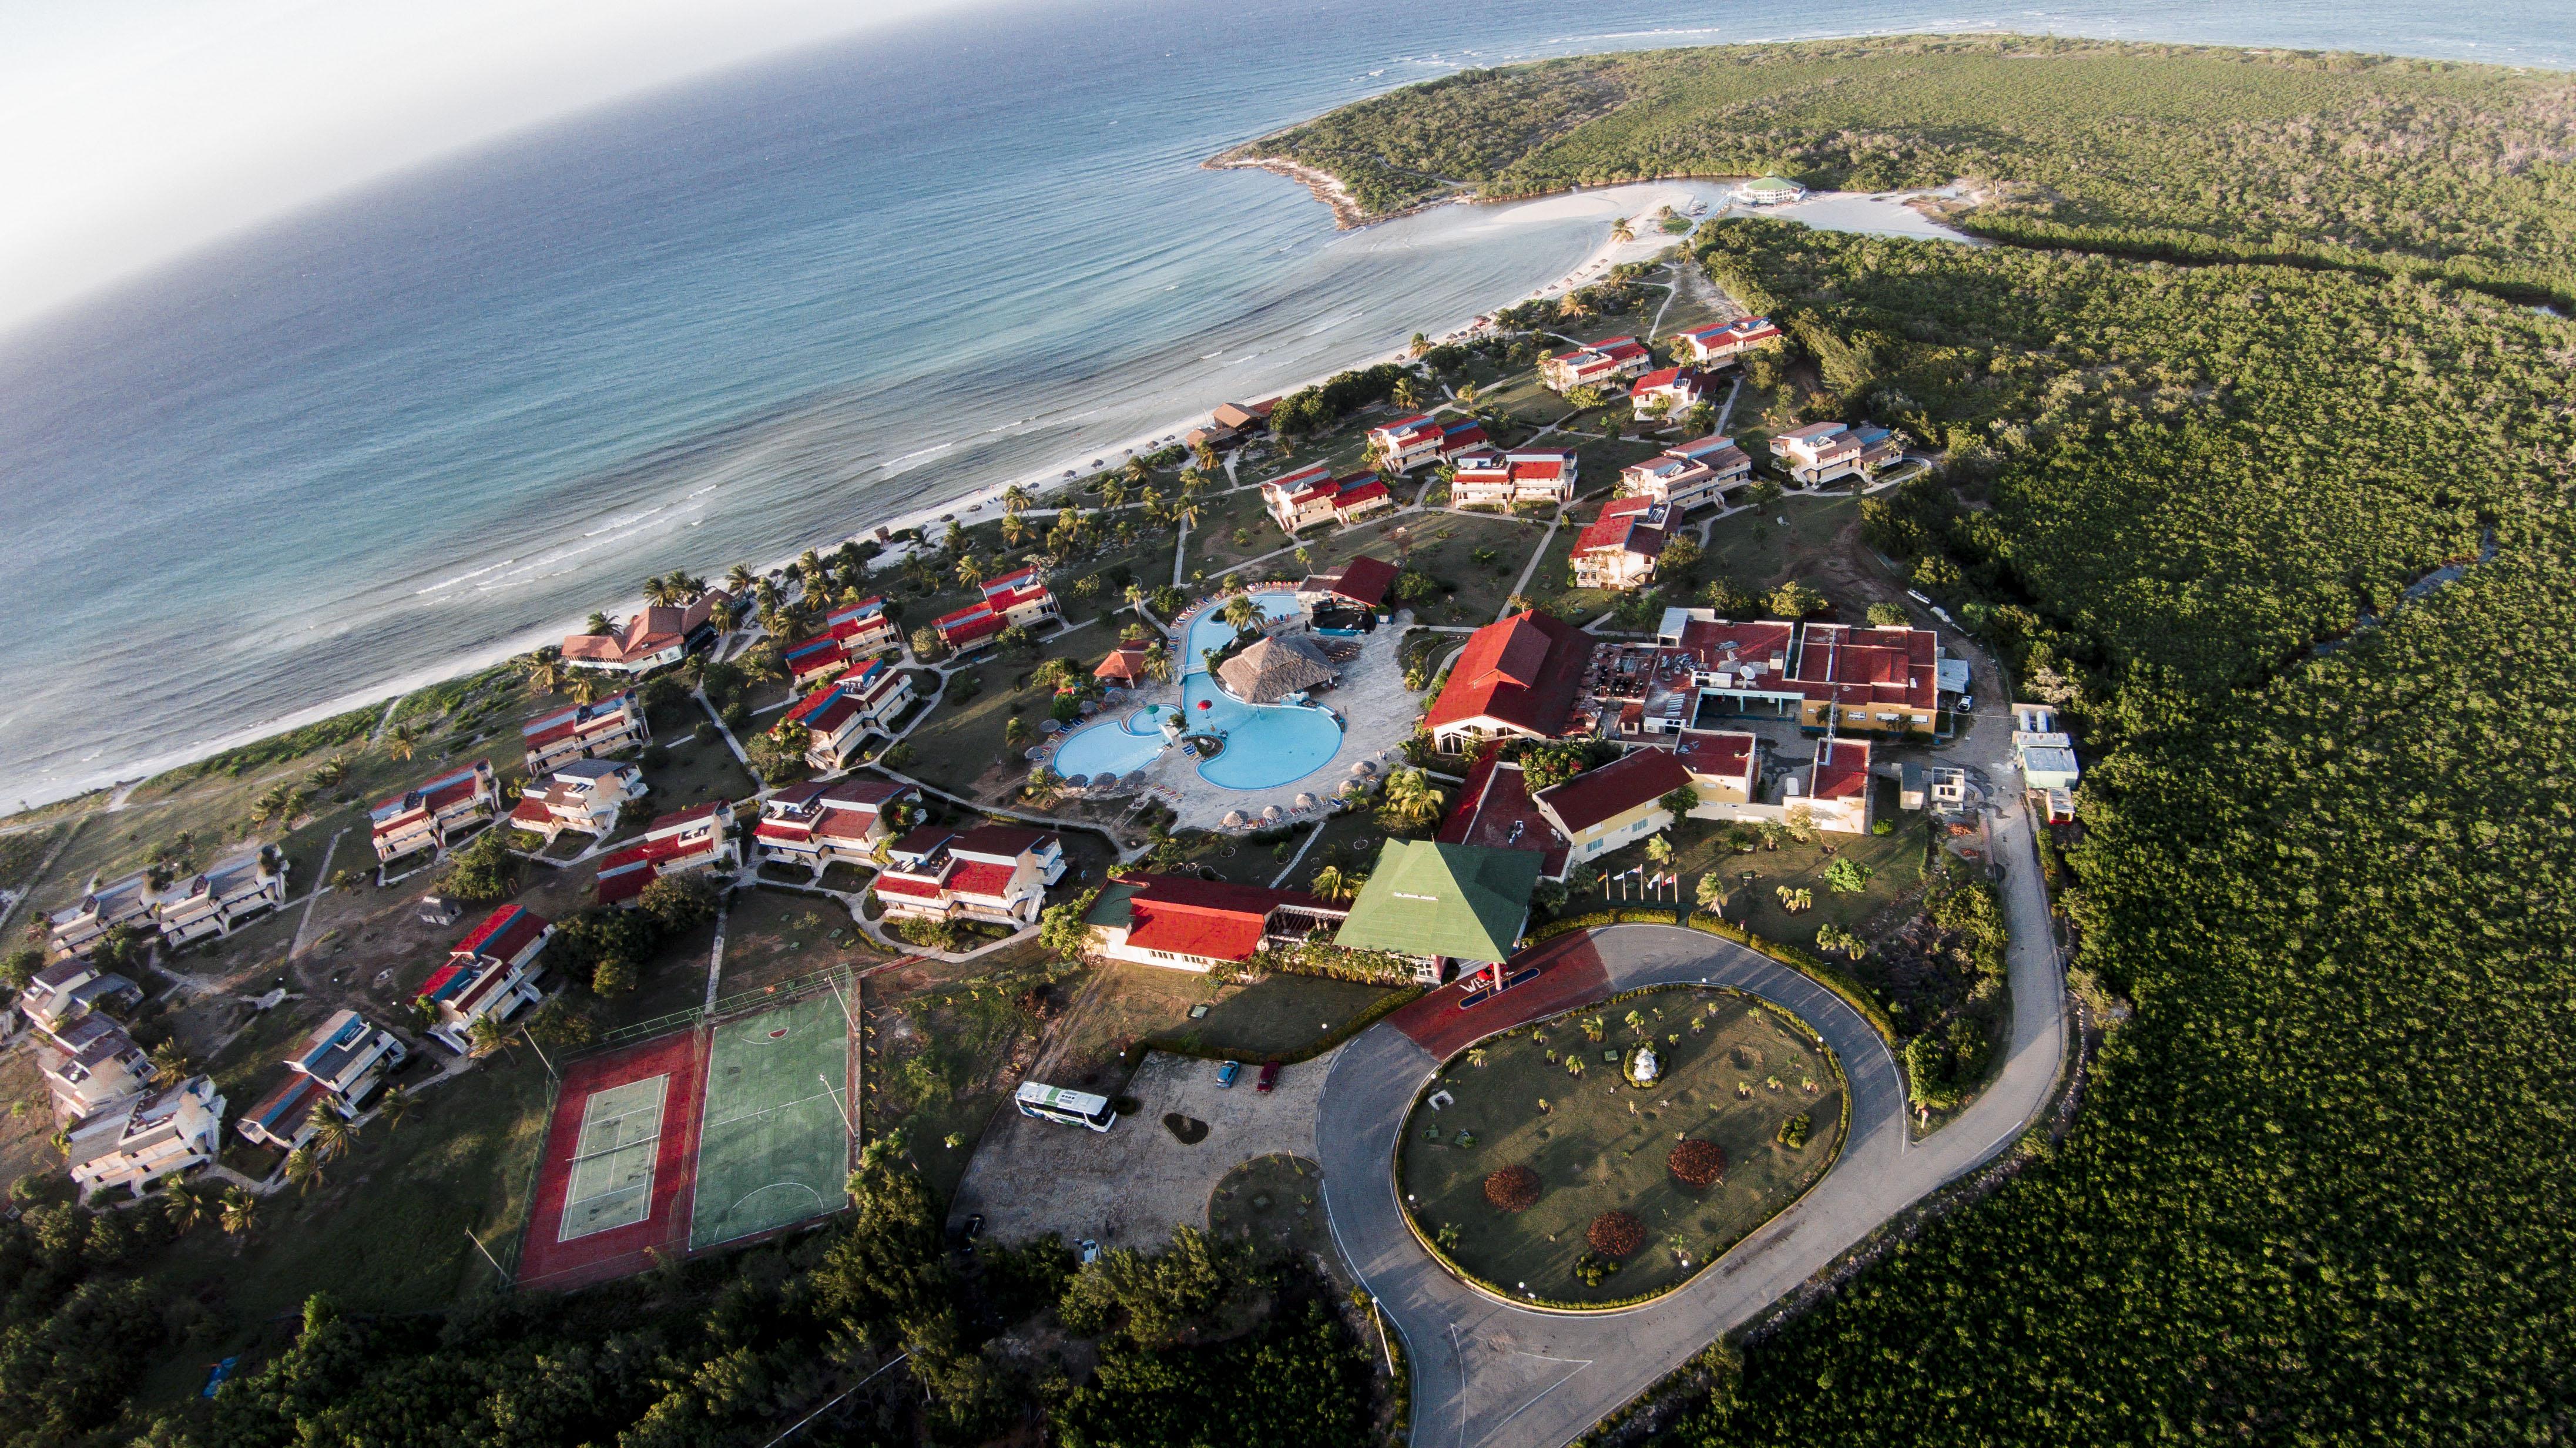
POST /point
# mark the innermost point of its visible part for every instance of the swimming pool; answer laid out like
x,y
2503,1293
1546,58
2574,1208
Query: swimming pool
x,y
1266,745
1113,746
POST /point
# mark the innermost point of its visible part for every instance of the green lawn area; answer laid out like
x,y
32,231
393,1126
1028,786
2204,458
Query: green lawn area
x,y
776,935
388,1229
1444,545
1274,1016
1759,553
1702,847
1732,1073
1524,400
960,746
1233,527
940,1061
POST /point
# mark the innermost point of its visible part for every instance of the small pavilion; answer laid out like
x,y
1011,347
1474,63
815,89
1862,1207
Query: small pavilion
x,y
1439,903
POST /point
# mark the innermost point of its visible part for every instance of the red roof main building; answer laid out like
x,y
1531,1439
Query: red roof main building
x,y
1201,925
1516,679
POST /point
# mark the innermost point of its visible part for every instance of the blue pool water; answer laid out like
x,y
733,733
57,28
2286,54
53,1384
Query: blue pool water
x,y
1266,745
1113,746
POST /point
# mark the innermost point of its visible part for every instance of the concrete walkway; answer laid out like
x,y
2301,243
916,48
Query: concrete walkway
x,y
1487,1374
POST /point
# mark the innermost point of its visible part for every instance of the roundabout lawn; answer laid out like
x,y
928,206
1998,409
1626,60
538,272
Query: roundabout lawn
x,y
1598,1144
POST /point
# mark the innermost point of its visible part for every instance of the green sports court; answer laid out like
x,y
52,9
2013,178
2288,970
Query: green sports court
x,y
773,1144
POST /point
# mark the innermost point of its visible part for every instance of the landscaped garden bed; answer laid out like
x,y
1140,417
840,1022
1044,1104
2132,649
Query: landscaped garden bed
x,y
1545,1165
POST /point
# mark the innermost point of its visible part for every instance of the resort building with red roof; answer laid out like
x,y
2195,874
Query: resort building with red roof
x,y
1406,443
491,972
584,796
655,638
997,873
1611,806
1618,550
1310,496
1201,925
1491,478
1363,583
849,635
1516,679
437,813
1688,474
584,731
838,716
1725,766
1725,342
1838,787
1667,392
817,824
1867,680
1012,601
691,839
1495,812
1610,360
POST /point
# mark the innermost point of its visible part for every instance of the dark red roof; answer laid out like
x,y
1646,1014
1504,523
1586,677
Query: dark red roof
x,y
1613,789
1209,919
1494,811
1009,841
1352,497
1623,525
985,881
1522,671
504,933
1857,666
1365,581
1728,754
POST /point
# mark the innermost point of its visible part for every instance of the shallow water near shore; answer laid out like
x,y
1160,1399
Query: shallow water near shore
x,y
444,419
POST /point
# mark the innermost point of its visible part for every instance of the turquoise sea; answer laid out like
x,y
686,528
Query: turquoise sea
x,y
446,416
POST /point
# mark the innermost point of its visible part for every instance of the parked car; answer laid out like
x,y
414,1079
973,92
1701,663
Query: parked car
x,y
1226,1073
1269,1077
1089,1250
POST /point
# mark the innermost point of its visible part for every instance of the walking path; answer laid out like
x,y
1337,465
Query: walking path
x,y
313,894
1488,1374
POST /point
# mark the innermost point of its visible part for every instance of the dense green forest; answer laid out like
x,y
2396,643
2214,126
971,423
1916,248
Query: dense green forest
x,y
2178,151
2321,1188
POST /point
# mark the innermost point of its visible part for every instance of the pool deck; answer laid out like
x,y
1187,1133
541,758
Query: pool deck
x,y
1379,714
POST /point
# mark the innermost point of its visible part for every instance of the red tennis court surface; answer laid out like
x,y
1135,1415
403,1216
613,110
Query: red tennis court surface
x,y
1569,973
547,1261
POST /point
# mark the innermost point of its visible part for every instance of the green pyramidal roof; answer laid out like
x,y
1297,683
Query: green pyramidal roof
x,y
1462,901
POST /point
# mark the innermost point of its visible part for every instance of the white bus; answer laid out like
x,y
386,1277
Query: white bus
x,y
1073,1108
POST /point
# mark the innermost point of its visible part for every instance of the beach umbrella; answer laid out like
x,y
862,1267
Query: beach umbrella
x,y
1104,779
1090,707
1363,769
1076,781
1203,703
1035,752
1270,812
1306,801
1234,819
1050,726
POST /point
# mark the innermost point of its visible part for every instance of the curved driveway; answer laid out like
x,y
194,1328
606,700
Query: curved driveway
x,y
1486,1373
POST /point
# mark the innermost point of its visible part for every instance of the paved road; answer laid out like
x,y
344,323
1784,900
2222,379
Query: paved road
x,y
1490,1375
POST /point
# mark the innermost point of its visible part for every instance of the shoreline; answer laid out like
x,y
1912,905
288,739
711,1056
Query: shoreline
x,y
1041,481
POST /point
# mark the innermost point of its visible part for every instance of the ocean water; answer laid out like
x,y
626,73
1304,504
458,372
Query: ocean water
x,y
443,418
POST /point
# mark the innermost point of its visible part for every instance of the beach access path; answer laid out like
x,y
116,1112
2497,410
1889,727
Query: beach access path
x,y
1491,1374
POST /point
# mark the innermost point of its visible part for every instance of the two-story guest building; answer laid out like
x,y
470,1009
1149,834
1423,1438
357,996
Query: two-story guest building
x,y
1822,452
584,731
1618,549
817,824
1011,601
1491,478
1406,443
1667,392
1725,342
1310,496
584,796
841,714
997,873
1688,474
491,972
1603,364
436,813
1201,925
691,839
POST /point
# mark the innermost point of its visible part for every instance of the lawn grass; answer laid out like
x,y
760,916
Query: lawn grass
x,y
1712,846
1600,1144
1232,527
778,935
1276,1015
960,747
1759,553
939,1061
690,774
391,1229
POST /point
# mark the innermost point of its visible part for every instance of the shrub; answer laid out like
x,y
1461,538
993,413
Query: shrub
x,y
1696,1163
1793,1132
1616,1234
1513,1189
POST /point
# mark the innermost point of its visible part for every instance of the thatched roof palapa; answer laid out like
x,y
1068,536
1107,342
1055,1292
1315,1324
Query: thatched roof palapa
x,y
1273,669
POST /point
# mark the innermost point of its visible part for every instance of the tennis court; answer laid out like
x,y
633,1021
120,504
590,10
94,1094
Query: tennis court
x,y
612,1164
613,1183
773,1143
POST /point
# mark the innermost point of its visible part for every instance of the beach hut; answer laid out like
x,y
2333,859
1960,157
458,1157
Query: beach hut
x,y
1234,819
1125,664
1275,668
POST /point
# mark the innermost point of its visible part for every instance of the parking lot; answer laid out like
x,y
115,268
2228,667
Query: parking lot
x,y
1130,1186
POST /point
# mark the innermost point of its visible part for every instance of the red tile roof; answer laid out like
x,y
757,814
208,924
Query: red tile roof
x,y
1623,525
504,933
1209,919
906,886
1494,811
1351,498
1522,671
1861,666
1364,581
1842,770
1406,432
981,880
571,719
1613,789
1727,754
1127,661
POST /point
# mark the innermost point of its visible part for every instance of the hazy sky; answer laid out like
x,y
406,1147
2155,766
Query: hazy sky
x,y
135,131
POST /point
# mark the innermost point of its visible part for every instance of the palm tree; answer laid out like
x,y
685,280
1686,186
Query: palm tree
x,y
1113,493
600,623
970,572
1139,471
1188,513
1014,498
1016,732
1411,799
1242,612
484,1037
657,591
1408,393
241,1210
1467,394
738,578
1621,231
1333,883
1013,530
333,1138
270,804
590,688
303,1168
399,743
397,1102
1136,597
541,672
1043,786
330,771
1151,500
171,1060
1419,345
187,1203
1711,894
1659,851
